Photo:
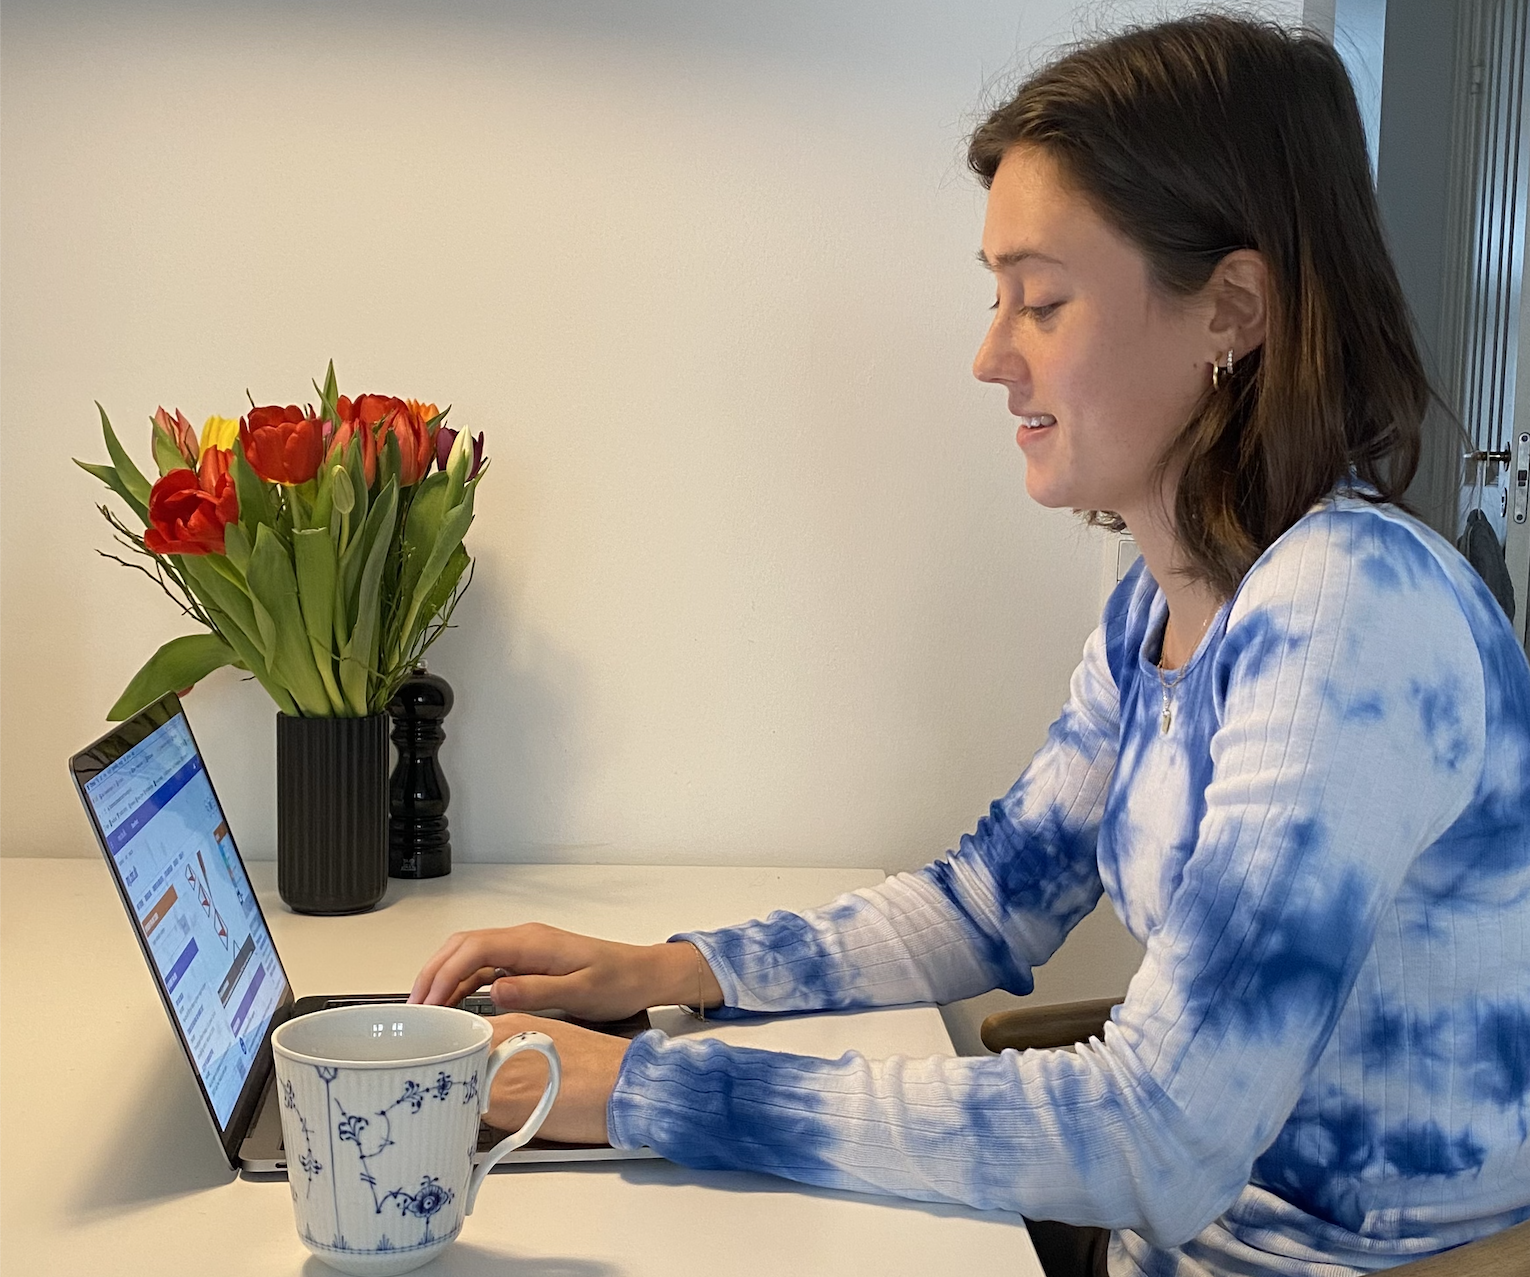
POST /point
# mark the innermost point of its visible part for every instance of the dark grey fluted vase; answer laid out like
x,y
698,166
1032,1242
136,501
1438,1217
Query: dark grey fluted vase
x,y
331,812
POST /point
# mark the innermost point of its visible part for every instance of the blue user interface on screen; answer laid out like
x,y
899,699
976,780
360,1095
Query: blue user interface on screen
x,y
192,903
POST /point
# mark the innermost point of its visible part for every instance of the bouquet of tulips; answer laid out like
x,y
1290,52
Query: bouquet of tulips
x,y
322,551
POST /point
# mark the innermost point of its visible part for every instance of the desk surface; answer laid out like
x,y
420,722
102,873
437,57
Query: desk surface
x,y
90,1072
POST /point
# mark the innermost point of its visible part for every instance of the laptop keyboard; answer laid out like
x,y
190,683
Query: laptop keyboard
x,y
477,1003
482,1004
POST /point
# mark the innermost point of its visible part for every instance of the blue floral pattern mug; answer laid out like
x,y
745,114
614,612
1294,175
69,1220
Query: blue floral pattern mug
x,y
380,1109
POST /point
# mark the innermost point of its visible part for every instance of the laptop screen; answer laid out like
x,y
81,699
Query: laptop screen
x,y
192,903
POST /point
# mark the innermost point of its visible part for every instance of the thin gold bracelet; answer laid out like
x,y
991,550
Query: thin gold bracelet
x,y
700,1010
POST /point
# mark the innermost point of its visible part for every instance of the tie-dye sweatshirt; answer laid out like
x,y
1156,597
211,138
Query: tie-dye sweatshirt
x,y
1325,1056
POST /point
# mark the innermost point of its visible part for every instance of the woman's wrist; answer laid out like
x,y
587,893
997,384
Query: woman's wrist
x,y
683,977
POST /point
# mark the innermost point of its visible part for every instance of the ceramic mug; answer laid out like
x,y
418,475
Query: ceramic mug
x,y
380,1108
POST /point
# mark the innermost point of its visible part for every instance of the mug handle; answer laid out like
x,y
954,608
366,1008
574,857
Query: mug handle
x,y
512,1046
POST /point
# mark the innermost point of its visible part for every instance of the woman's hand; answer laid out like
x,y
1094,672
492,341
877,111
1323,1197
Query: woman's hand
x,y
590,1063
542,968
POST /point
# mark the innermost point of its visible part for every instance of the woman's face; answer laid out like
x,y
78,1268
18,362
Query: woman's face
x,y
1102,371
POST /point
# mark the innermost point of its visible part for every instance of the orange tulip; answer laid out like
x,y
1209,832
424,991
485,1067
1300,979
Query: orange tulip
x,y
341,439
409,422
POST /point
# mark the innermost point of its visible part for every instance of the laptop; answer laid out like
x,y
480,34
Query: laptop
x,y
172,856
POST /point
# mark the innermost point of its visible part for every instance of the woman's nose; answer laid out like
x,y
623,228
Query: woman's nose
x,y
997,360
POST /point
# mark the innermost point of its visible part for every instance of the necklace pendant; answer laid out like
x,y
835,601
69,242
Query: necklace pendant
x,y
1166,719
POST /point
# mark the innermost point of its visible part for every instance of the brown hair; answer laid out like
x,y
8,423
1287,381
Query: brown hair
x,y
1213,133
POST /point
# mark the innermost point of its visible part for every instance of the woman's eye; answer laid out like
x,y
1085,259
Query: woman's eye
x,y
1037,313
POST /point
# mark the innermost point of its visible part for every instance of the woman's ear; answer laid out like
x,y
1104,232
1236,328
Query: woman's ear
x,y
1239,292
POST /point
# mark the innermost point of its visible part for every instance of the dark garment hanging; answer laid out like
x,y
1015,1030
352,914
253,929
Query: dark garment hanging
x,y
1479,543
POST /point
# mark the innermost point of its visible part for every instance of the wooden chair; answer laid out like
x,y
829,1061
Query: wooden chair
x,y
1504,1254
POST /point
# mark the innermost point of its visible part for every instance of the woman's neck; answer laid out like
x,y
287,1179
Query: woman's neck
x,y
1192,602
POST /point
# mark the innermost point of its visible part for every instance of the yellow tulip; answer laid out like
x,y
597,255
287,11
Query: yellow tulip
x,y
218,432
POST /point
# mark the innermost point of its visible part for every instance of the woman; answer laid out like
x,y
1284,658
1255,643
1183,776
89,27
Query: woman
x,y
1296,754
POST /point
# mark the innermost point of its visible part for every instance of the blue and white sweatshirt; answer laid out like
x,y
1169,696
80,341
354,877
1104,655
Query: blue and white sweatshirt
x,y
1324,1059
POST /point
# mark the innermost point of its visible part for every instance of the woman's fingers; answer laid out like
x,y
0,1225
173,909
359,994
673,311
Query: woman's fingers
x,y
426,978
453,971
468,959
478,954
472,983
533,967
533,992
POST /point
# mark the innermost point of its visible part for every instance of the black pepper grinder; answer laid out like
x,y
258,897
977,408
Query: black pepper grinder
x,y
418,843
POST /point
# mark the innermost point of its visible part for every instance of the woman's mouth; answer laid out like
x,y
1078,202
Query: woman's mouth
x,y
1032,425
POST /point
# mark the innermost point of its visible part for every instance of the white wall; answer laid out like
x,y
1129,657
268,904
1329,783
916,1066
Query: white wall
x,y
757,579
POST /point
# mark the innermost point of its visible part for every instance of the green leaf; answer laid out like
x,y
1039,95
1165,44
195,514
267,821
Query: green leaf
x,y
274,587
427,509
250,659
342,623
220,564
323,497
441,593
180,663
342,500
299,504
131,476
358,659
421,528
265,633
233,602
395,665
358,472
390,465
256,500
313,554
453,528
234,613
236,544
109,476
353,561
329,395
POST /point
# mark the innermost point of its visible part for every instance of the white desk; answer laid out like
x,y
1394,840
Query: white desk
x,y
90,1074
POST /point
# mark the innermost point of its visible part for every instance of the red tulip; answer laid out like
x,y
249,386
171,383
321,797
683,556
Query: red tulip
x,y
188,509
283,445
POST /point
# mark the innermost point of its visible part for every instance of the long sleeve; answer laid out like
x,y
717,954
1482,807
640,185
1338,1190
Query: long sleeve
x,y
981,919
1341,720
